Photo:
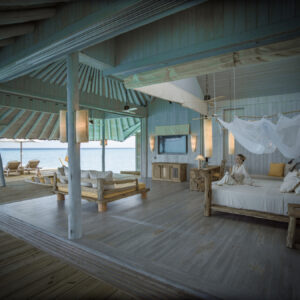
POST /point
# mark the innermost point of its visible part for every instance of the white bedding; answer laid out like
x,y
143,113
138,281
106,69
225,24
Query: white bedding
x,y
264,196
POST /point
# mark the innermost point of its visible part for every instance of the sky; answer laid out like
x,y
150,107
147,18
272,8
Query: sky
x,y
129,143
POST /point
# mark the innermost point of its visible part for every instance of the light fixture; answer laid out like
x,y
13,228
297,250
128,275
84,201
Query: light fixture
x,y
152,142
82,126
63,126
200,159
208,144
231,143
193,142
105,142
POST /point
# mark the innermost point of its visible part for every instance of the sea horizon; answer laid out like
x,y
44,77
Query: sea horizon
x,y
116,159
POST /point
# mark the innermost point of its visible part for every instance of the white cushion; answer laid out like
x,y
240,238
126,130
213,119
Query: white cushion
x,y
297,189
60,174
66,169
288,168
290,182
86,174
98,174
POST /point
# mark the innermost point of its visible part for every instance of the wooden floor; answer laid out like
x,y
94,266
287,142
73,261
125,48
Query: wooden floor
x,y
167,238
18,190
28,273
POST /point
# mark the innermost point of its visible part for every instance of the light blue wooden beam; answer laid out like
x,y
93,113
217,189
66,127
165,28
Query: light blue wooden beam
x,y
99,21
88,101
46,127
6,114
35,125
54,129
12,122
28,120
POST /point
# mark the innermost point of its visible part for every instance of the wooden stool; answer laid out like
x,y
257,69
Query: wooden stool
x,y
294,214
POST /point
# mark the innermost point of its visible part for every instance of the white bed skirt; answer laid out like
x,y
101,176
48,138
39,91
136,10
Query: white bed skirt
x,y
265,196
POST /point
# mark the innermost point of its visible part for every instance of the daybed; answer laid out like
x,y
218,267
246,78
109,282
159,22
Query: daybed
x,y
264,200
100,190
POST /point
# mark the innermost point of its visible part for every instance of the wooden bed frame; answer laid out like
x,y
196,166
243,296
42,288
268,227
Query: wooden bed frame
x,y
209,207
101,192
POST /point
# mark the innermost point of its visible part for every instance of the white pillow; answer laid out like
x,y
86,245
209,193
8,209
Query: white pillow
x,y
66,170
297,189
60,173
290,182
99,174
86,174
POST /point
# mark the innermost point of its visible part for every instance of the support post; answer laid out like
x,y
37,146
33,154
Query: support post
x,y
144,147
103,145
74,216
2,179
21,153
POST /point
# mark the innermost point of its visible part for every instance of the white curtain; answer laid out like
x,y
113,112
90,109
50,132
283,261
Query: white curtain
x,y
263,136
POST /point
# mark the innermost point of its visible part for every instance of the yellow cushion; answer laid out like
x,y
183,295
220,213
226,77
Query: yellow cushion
x,y
276,169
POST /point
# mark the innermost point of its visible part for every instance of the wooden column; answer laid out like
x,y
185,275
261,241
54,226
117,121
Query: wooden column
x,y
74,216
144,147
103,145
2,179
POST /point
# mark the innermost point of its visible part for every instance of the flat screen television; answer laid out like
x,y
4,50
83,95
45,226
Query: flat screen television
x,y
172,144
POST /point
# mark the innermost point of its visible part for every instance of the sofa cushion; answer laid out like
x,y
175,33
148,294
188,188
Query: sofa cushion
x,y
86,175
98,174
276,169
61,174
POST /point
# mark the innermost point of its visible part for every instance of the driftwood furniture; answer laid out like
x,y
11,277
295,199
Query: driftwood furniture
x,y
294,214
197,180
12,167
107,190
169,171
210,206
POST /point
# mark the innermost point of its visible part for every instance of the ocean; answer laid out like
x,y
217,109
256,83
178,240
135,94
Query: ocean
x,y
116,159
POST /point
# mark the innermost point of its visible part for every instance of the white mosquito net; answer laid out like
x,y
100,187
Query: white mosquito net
x,y
263,136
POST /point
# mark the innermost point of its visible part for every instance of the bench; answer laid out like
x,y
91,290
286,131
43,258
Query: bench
x,y
107,190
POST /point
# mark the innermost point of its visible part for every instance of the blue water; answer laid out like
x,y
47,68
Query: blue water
x,y
116,159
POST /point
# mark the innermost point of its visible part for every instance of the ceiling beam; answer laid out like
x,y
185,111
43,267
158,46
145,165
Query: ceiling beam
x,y
46,126
54,129
87,101
15,30
14,4
80,25
12,121
23,16
6,42
28,120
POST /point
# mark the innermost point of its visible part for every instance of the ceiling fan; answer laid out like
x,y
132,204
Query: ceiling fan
x,y
207,98
129,110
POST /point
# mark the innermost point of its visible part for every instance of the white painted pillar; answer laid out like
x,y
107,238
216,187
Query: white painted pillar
x,y
144,147
74,216
2,179
103,145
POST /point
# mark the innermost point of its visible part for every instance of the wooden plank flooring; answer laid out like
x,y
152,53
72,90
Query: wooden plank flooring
x,y
19,190
167,238
29,273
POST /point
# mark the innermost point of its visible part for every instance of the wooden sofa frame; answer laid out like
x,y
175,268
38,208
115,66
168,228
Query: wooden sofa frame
x,y
101,192
209,207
